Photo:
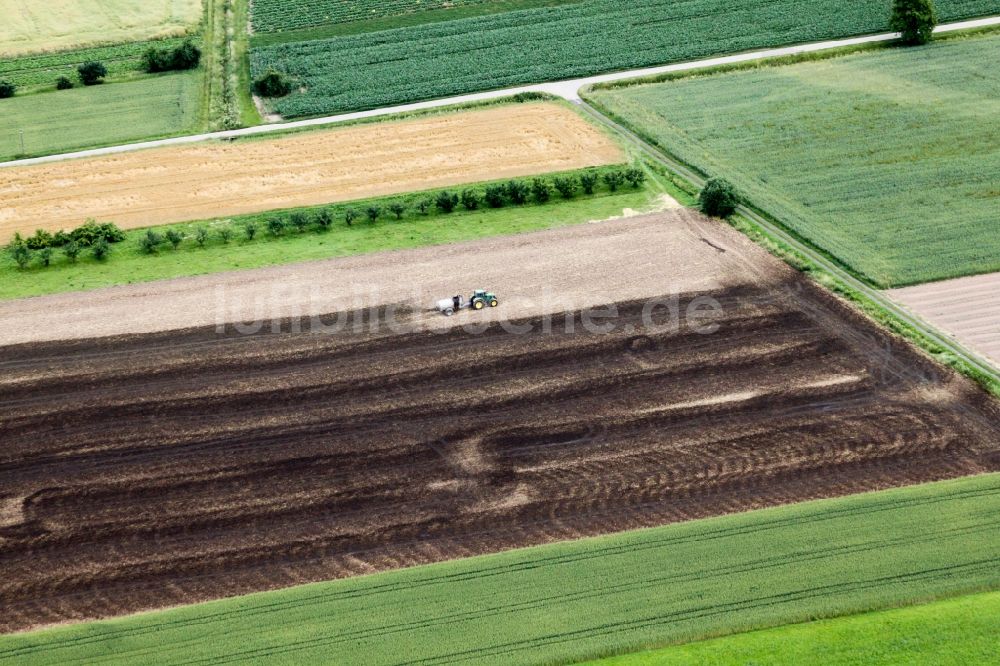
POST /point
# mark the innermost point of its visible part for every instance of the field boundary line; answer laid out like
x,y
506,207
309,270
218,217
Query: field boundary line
x,y
566,89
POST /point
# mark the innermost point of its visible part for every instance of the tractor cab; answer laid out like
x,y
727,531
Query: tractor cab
x,y
482,298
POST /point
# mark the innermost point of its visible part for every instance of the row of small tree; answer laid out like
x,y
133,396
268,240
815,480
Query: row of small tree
x,y
43,245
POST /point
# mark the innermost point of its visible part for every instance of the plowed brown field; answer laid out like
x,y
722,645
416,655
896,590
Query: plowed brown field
x,y
214,179
155,469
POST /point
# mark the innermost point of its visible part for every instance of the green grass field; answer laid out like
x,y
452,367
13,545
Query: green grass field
x,y
588,598
956,631
64,24
440,59
128,264
885,159
99,115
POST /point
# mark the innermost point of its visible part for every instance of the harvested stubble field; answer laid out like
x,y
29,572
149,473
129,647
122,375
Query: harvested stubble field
x,y
225,463
220,179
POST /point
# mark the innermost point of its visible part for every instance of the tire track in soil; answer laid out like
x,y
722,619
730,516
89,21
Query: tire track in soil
x,y
254,463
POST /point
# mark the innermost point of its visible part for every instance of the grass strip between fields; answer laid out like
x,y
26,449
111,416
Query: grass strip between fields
x,y
588,598
963,630
128,264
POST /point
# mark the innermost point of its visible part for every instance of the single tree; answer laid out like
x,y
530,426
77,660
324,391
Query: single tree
x,y
446,201
7,89
540,190
20,253
174,237
92,73
635,176
249,230
225,234
397,208
350,215
494,196
470,199
614,179
300,221
588,181
150,243
201,236
186,56
101,249
324,220
718,198
915,19
517,192
64,83
72,250
275,226
272,84
45,254
565,186
373,213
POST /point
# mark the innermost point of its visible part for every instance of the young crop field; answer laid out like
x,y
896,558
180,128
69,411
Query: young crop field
x,y
42,69
499,50
227,461
570,601
308,168
887,160
86,117
65,24
954,631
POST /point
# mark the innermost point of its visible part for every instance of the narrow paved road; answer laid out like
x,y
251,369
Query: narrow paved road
x,y
568,89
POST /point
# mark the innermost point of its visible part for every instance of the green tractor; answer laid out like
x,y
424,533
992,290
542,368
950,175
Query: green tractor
x,y
479,300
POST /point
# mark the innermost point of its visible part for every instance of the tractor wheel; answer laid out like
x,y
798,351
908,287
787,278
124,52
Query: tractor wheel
x,y
449,312
478,305
494,303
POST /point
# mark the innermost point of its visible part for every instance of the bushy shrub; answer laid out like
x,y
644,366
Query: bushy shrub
x,y
350,215
635,176
150,243
397,208
20,253
72,250
424,205
530,96
249,230
45,256
201,236
64,83
540,190
272,84
565,187
7,89
275,226
92,73
300,221
225,234
101,249
41,240
718,198
174,237
517,192
588,181
90,232
915,19
494,196
470,199
324,220
613,179
185,56
446,201
61,238
373,213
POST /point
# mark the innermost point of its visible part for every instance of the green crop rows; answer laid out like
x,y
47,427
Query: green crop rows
x,y
499,50
99,115
575,600
887,160
276,15
122,60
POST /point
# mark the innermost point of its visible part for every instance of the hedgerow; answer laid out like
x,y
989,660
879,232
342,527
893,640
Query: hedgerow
x,y
407,64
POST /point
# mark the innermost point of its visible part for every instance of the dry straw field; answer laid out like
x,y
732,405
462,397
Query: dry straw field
x,y
219,179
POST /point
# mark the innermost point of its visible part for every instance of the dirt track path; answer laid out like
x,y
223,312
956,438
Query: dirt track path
x,y
548,271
